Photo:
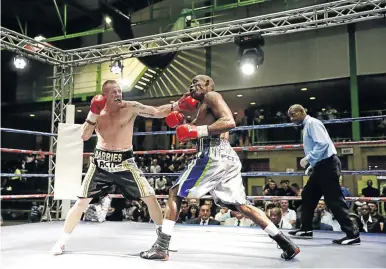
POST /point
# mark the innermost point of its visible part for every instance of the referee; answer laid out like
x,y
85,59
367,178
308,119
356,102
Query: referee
x,y
321,157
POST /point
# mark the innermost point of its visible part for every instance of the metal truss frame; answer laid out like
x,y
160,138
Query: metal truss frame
x,y
297,20
63,83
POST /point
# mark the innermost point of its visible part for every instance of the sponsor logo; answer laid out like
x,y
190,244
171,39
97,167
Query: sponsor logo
x,y
108,156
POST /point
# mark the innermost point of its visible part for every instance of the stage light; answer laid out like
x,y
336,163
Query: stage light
x,y
250,53
19,62
124,82
108,20
116,67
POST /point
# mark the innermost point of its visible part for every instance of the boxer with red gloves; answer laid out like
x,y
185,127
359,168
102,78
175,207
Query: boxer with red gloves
x,y
174,119
186,103
97,105
216,168
113,162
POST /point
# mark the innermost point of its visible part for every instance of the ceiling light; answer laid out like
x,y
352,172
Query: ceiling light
x,y
239,95
235,113
312,98
108,20
78,110
116,67
252,103
303,89
32,115
323,109
19,62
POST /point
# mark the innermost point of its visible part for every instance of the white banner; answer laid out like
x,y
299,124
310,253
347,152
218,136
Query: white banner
x,y
69,160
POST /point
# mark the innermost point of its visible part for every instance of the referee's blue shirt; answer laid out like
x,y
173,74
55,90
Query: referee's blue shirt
x,y
316,141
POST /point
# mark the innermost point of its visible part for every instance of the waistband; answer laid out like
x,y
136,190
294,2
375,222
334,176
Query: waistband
x,y
211,142
333,156
115,156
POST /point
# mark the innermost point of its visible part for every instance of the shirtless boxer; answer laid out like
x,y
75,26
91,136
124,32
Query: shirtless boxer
x,y
113,163
216,169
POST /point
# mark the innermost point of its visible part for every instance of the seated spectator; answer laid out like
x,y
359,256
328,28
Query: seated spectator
x,y
285,190
326,217
374,213
98,211
370,224
193,201
35,214
272,190
204,217
220,214
193,212
345,191
316,221
160,185
274,215
239,220
288,214
182,217
212,207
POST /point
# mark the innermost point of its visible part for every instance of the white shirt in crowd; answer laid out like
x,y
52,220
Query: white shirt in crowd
x,y
244,222
204,222
160,183
284,224
289,215
365,228
155,169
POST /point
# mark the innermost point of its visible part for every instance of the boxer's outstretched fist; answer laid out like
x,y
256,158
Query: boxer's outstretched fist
x,y
96,106
174,119
188,132
186,103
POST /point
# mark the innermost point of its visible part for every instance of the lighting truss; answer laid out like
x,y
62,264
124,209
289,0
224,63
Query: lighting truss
x,y
297,20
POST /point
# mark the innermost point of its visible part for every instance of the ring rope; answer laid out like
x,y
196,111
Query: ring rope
x,y
260,198
179,151
240,128
245,174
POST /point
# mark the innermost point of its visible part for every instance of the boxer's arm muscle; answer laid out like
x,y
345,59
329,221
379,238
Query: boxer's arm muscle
x,y
150,111
87,130
221,111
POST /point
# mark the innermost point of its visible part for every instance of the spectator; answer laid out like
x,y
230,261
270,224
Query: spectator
x,y
369,191
326,217
239,220
373,207
221,213
193,212
183,212
193,201
209,203
298,192
155,168
160,185
275,216
204,217
267,185
272,190
287,214
35,213
370,224
345,191
285,190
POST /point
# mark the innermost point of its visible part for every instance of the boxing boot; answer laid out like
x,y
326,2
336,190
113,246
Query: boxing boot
x,y
290,250
160,249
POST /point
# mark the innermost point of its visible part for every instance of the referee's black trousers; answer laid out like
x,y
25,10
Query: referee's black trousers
x,y
325,181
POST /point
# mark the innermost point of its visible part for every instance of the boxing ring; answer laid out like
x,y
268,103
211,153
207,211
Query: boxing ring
x,y
119,243
193,246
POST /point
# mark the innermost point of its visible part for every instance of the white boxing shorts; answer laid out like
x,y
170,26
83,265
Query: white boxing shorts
x,y
215,170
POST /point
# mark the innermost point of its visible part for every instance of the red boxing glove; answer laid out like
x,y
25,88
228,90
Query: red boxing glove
x,y
174,119
186,103
188,132
97,105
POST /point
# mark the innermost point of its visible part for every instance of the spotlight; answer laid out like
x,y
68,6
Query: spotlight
x,y
108,20
20,62
116,67
124,82
188,21
250,53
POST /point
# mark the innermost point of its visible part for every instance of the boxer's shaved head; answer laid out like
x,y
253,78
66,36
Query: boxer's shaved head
x,y
201,85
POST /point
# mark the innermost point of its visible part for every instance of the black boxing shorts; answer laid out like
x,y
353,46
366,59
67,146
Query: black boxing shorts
x,y
109,169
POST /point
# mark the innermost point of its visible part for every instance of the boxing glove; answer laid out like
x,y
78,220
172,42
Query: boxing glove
x,y
96,106
186,103
174,119
187,132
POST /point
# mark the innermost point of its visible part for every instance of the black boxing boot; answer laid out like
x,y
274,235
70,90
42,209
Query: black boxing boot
x,y
290,250
160,249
